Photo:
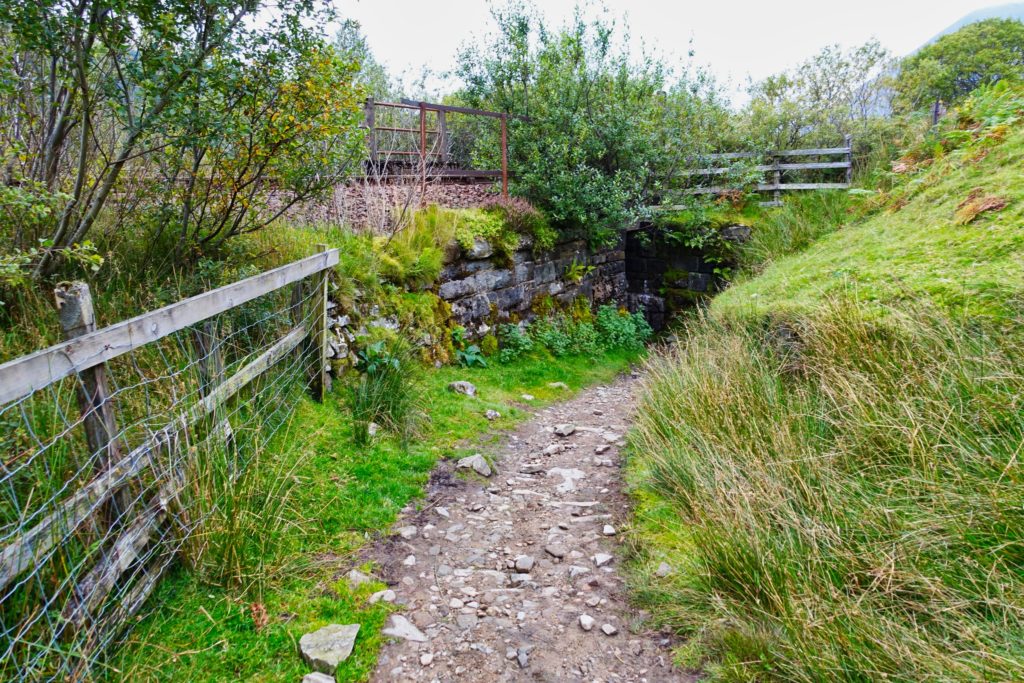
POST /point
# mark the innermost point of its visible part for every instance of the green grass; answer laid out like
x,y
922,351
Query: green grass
x,y
344,496
911,253
829,462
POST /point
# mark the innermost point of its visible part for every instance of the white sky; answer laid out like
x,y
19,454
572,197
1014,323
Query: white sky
x,y
737,39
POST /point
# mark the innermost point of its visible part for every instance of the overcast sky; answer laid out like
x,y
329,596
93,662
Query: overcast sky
x,y
737,39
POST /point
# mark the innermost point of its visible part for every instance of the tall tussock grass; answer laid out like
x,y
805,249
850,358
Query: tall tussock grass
x,y
850,495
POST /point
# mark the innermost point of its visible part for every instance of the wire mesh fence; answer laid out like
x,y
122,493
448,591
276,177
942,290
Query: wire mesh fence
x,y
111,474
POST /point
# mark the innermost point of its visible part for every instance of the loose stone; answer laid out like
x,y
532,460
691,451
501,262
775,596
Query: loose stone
x,y
477,463
609,630
463,387
565,429
601,559
556,550
356,579
608,530
404,629
325,648
586,622
317,677
524,563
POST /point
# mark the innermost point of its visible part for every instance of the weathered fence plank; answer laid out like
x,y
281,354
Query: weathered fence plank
x,y
77,318
22,376
32,544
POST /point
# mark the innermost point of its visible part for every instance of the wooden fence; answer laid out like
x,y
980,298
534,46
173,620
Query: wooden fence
x,y
779,170
92,508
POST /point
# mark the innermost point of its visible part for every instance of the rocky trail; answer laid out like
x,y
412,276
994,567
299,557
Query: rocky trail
x,y
515,577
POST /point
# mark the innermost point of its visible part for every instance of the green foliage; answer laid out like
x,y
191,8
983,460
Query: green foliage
x,y
414,255
385,393
471,356
878,513
473,224
15,268
593,144
833,94
489,344
514,342
953,66
908,246
620,329
182,111
802,220
524,219
576,271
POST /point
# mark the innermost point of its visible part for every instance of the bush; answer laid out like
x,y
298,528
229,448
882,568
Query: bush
x,y
524,218
840,498
563,336
514,342
619,329
594,131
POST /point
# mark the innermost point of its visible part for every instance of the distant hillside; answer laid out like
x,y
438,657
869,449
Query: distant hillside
x,y
1013,10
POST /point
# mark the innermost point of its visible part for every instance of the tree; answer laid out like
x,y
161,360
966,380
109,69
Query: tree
x,y
831,95
108,85
950,68
586,137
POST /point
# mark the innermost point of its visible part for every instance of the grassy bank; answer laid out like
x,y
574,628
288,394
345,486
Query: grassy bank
x,y
340,496
828,464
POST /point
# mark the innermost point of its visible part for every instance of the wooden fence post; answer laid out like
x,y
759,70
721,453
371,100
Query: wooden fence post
x,y
210,362
321,380
849,160
77,317
777,180
504,155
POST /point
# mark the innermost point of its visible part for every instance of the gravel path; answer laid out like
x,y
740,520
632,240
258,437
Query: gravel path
x,y
515,577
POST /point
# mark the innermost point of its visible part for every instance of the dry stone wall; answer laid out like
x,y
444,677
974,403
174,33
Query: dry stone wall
x,y
483,290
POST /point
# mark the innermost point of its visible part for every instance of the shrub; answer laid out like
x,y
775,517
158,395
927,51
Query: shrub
x,y
514,342
489,345
620,329
841,499
562,336
524,218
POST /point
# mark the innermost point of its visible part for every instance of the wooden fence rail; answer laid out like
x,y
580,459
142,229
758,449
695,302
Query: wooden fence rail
x,y
776,168
126,528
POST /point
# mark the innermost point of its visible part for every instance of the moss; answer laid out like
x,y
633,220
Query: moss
x,y
489,344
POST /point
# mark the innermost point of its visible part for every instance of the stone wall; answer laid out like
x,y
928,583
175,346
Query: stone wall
x,y
482,290
662,277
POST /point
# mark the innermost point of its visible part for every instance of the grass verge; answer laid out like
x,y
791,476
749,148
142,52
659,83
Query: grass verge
x,y
838,503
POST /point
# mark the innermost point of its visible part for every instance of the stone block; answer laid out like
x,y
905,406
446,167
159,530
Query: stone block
x,y
699,282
